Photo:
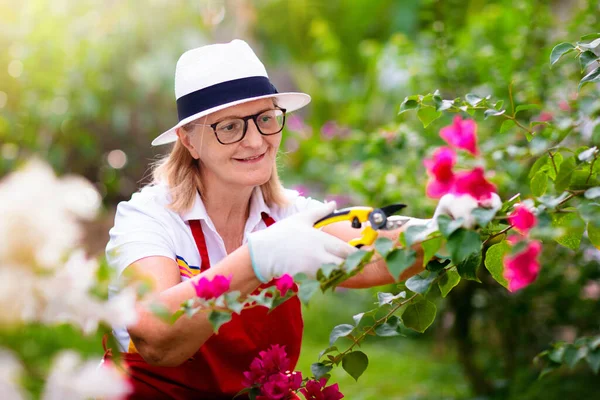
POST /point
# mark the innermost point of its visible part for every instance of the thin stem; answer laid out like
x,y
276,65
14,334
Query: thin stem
x,y
498,234
591,170
553,163
510,96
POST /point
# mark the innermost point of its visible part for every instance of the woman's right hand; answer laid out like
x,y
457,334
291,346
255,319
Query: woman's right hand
x,y
293,245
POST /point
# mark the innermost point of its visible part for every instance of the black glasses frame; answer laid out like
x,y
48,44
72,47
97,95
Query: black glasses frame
x,y
245,119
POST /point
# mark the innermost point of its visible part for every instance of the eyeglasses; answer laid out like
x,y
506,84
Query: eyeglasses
x,y
233,130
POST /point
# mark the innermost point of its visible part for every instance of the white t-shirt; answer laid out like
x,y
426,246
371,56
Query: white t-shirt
x,y
145,226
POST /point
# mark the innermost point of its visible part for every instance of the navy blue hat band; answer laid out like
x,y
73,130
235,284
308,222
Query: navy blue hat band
x,y
223,93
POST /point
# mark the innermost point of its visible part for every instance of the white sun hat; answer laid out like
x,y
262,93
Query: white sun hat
x,y
217,76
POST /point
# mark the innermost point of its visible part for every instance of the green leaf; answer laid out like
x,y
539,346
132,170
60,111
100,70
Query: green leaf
x,y
593,359
218,318
564,174
306,290
354,259
473,99
541,164
419,316
419,284
389,328
586,58
443,105
448,281
430,247
319,369
383,246
590,212
573,227
499,104
412,233
427,115
447,225
339,331
436,265
590,36
408,104
468,268
387,298
593,76
462,244
553,165
539,183
506,125
398,260
494,261
560,50
326,351
593,232
355,363
526,107
327,269
483,216
592,45
573,355
492,113
357,318
592,193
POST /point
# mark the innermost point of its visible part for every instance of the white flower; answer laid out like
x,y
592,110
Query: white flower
x,y
72,379
120,308
10,371
39,215
18,300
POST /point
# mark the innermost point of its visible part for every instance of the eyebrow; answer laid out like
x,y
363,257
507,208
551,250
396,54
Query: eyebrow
x,y
239,116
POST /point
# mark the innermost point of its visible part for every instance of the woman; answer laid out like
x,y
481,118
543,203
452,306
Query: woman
x,y
212,211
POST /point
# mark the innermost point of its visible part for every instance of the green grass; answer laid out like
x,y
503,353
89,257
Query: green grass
x,y
399,367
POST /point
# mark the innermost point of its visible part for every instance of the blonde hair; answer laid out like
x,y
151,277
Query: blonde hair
x,y
181,172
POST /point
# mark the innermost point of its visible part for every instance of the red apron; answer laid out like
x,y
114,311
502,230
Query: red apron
x,y
215,372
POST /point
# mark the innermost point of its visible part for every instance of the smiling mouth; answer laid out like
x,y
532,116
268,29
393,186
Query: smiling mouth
x,y
252,158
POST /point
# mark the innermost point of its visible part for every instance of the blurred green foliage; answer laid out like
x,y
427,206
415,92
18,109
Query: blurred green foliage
x,y
79,80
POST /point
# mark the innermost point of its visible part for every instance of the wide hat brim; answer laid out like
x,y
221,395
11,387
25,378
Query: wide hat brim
x,y
290,101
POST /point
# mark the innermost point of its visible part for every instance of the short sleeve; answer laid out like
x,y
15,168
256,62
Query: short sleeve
x,y
138,232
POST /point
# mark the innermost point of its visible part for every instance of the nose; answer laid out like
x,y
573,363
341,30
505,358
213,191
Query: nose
x,y
253,137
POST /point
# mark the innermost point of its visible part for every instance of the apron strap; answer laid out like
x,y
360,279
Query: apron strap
x,y
200,240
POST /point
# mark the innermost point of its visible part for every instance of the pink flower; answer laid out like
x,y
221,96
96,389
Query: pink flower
x,y
462,134
285,283
522,269
268,362
522,219
474,184
439,168
545,116
329,130
279,386
295,123
316,390
207,289
564,105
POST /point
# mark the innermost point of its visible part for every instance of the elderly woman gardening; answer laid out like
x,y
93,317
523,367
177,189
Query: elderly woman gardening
x,y
217,207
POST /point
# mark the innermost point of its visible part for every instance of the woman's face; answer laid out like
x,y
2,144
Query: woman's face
x,y
248,162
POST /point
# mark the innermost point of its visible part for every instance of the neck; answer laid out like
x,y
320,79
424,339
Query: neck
x,y
228,207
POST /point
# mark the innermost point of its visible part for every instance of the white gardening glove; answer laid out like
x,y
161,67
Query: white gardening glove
x,y
293,245
461,206
455,207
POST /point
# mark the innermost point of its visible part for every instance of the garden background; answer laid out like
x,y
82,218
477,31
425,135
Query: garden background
x,y
86,85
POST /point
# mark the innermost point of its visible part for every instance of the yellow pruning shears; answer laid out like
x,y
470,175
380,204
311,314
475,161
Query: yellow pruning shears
x,y
377,217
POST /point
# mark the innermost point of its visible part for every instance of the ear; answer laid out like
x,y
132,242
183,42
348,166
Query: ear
x,y
185,140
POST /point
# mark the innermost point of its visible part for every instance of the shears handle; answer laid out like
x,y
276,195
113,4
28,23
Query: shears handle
x,y
356,216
